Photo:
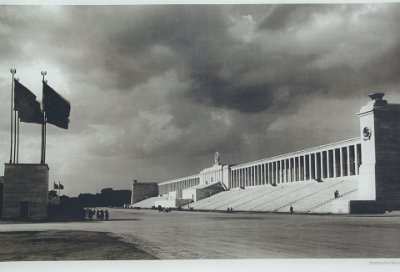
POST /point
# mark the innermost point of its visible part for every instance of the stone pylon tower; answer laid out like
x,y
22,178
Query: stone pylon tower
x,y
379,179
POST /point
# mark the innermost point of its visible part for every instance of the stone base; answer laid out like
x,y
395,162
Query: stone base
x,y
370,206
25,192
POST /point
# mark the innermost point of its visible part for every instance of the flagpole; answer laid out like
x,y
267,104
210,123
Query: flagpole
x,y
43,156
15,135
12,71
15,129
45,138
18,121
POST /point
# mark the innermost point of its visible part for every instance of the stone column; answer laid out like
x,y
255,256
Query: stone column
x,y
248,178
328,170
348,161
315,166
262,172
236,178
277,172
255,175
265,181
251,175
242,177
245,176
356,160
321,164
334,174
341,161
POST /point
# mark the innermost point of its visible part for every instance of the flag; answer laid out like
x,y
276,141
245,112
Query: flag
x,y
57,109
60,186
55,186
26,104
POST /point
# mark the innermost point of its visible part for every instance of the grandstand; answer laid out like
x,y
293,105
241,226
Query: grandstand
x,y
363,170
305,197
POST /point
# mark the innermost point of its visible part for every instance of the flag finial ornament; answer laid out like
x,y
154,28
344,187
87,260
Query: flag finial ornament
x,y
43,73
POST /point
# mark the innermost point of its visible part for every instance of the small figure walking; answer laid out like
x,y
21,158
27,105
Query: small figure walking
x,y
336,194
90,214
106,214
291,209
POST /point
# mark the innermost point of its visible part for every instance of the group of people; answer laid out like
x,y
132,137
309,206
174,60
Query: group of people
x,y
164,209
100,214
229,210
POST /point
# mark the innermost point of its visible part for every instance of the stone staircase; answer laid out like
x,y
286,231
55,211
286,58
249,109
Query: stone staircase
x,y
304,196
148,203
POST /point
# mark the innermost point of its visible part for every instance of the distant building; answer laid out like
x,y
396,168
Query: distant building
x,y
1,194
142,191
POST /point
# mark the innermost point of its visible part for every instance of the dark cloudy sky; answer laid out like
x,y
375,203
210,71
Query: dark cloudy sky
x,y
156,90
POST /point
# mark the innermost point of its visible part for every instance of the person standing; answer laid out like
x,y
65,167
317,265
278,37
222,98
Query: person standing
x,y
106,214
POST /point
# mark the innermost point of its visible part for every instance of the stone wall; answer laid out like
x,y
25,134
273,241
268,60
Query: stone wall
x,y
141,191
25,183
387,147
189,193
208,191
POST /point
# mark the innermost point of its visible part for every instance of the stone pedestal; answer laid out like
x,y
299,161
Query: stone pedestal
x,y
25,192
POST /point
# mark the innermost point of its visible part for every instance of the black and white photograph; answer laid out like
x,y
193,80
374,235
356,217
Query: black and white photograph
x,y
194,137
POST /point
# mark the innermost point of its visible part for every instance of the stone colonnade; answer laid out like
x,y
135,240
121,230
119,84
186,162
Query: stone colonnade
x,y
178,184
212,177
328,161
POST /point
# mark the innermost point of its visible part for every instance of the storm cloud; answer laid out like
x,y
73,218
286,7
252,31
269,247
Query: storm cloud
x,y
156,90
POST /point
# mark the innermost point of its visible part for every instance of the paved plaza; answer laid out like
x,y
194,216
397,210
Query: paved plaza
x,y
201,235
